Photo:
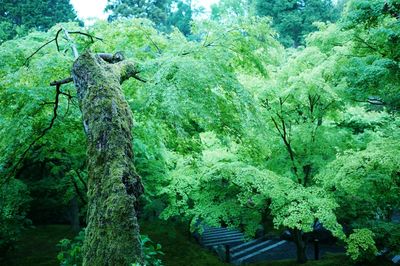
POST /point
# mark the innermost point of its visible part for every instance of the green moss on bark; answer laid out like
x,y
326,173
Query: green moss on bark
x,y
112,233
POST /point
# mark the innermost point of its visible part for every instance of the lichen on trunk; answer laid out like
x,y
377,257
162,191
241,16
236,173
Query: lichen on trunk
x,y
112,233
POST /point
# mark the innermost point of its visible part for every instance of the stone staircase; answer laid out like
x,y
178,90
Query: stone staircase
x,y
231,246
236,250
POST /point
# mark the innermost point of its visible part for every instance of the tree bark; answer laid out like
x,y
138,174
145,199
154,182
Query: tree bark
x,y
112,233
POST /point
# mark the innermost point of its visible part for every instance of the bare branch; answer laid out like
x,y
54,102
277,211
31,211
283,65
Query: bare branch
x,y
112,58
55,39
139,78
40,48
73,46
43,133
92,37
60,82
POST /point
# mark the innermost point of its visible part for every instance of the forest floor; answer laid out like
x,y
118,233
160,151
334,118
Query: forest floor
x,y
38,246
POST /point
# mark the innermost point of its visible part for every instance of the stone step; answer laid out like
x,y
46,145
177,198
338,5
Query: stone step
x,y
249,249
221,235
257,252
209,233
223,241
246,244
215,229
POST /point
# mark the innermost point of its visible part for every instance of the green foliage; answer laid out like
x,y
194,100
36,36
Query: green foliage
x,y
18,17
366,185
152,252
155,11
230,128
375,33
300,104
14,198
164,13
361,245
71,251
219,188
226,8
294,19
298,208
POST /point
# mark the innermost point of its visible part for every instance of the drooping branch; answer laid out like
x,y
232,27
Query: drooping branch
x,y
44,131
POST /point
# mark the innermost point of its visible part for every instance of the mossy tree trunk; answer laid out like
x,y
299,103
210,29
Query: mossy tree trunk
x,y
112,233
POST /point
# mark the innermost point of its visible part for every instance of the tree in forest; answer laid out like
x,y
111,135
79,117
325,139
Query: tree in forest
x,y
165,121
221,188
259,136
156,11
164,13
112,233
371,175
235,188
181,16
226,8
18,17
300,104
374,66
294,19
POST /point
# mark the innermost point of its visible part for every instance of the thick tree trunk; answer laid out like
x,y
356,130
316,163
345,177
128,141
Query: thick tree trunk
x,y
112,233
300,246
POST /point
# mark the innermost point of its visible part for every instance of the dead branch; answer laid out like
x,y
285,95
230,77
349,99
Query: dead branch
x,y
92,37
55,39
61,82
139,78
73,45
112,58
43,133
44,45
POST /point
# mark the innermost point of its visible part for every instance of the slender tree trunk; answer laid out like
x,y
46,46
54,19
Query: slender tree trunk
x,y
75,224
112,233
300,246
